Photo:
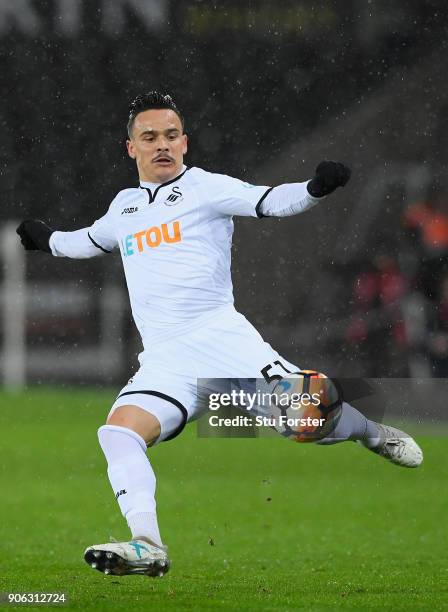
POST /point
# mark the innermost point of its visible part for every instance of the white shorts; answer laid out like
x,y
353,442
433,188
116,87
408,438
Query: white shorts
x,y
226,346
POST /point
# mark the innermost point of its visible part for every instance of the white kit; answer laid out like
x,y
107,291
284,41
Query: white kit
x,y
175,242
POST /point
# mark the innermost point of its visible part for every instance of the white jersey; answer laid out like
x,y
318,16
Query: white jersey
x,y
175,243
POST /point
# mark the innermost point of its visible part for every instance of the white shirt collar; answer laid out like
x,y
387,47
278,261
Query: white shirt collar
x,y
153,186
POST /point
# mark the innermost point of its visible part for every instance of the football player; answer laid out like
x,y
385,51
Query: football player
x,y
174,232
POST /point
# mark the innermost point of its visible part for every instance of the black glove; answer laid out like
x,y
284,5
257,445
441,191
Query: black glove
x,y
329,175
35,235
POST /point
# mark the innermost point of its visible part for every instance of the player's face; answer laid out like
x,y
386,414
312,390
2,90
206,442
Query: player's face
x,y
158,145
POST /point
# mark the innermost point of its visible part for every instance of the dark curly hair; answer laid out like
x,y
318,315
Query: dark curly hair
x,y
152,99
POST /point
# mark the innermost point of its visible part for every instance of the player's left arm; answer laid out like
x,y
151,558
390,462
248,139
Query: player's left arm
x,y
293,198
230,196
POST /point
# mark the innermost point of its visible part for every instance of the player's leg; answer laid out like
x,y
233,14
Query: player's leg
x,y
139,420
345,423
352,425
124,439
384,440
248,355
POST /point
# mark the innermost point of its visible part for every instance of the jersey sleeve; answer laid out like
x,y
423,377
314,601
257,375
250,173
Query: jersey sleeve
x,y
231,196
87,242
288,199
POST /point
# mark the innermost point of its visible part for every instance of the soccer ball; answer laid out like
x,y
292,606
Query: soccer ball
x,y
305,406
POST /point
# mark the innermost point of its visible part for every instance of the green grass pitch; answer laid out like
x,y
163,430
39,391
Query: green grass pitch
x,y
251,524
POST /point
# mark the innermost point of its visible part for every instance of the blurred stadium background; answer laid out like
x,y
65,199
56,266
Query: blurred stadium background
x,y
356,287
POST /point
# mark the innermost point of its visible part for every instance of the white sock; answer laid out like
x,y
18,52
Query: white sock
x,y
132,478
353,425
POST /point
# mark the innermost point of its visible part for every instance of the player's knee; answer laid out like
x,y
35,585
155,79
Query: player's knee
x,y
138,420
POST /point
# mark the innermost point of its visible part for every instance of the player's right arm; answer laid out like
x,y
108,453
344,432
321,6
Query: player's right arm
x,y
87,242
